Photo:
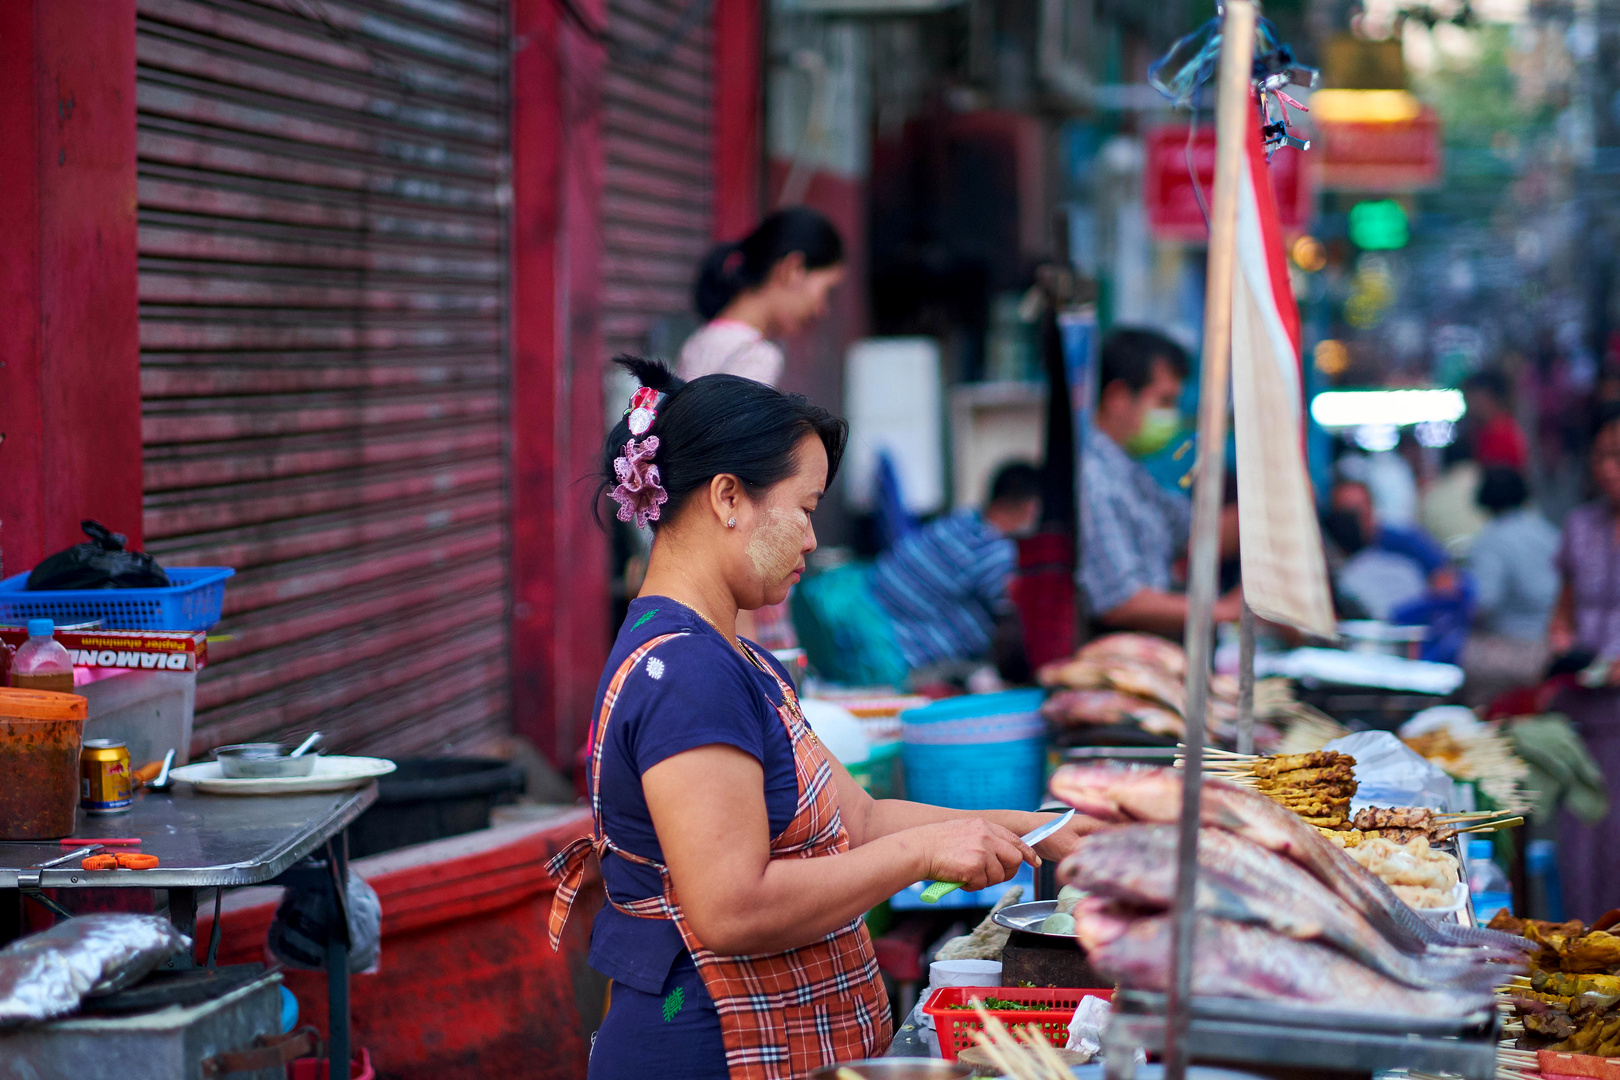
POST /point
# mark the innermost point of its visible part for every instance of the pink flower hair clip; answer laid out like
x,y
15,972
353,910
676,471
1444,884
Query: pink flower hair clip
x,y
640,490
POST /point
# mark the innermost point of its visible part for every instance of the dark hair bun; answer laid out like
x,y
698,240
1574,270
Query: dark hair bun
x,y
653,374
730,268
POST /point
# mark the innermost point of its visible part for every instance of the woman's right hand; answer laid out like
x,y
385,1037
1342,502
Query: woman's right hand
x,y
972,852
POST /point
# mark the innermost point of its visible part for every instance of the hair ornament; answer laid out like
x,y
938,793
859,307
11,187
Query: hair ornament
x,y
640,490
643,410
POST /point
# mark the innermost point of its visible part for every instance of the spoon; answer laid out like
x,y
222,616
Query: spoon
x,y
162,781
314,737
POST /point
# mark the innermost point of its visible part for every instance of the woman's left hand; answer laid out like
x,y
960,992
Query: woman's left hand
x,y
1061,843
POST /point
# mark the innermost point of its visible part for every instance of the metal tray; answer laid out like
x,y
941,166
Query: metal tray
x,y
1250,1010
1026,917
1323,1041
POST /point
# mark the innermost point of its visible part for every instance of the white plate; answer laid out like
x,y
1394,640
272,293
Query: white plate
x,y
1459,900
332,773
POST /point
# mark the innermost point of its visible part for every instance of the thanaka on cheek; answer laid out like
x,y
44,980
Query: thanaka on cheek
x,y
775,546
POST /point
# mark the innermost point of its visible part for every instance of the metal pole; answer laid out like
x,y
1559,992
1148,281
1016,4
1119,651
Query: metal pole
x,y
1245,717
1233,114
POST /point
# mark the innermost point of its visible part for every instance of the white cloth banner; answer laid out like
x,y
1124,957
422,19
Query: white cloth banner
x,y
1284,570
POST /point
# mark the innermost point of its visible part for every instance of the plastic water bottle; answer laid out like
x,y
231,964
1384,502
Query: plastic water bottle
x,y
41,662
1546,890
1487,883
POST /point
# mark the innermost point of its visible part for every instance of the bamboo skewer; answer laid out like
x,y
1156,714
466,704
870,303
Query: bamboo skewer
x,y
1044,1051
1493,826
1029,1058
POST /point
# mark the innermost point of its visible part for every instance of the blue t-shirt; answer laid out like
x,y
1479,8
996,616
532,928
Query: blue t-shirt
x,y
943,586
693,690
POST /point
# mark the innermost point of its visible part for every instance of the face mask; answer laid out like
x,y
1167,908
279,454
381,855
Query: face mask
x,y
1344,529
1159,426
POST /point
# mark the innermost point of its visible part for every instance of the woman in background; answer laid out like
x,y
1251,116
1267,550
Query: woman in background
x,y
1513,561
771,283
1587,618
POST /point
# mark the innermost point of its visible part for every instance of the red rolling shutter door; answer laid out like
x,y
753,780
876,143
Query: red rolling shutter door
x,y
322,296
656,201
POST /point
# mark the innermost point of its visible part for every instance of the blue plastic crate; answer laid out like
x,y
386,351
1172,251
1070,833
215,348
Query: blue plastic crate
x,y
193,602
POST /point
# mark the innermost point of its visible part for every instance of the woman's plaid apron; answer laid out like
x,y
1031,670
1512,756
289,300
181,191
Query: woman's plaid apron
x,y
781,1014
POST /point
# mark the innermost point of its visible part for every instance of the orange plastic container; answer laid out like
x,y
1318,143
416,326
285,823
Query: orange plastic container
x,y
40,733
955,1026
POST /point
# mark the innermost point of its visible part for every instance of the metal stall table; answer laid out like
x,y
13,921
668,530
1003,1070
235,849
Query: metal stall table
x,y
216,842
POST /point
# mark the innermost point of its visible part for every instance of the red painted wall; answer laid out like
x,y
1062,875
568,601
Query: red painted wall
x,y
739,68
70,407
559,556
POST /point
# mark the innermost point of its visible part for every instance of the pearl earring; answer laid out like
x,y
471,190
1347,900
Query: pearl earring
x,y
732,524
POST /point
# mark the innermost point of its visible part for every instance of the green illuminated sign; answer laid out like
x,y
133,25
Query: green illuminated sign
x,y
1379,226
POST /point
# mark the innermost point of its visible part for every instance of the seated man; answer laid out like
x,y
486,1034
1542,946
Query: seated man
x,y
1386,567
932,599
1396,574
1132,528
944,585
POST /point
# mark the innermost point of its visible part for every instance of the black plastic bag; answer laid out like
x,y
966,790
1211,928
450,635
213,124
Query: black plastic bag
x,y
307,918
100,563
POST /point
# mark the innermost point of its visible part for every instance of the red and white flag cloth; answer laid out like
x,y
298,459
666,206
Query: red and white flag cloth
x,y
1284,569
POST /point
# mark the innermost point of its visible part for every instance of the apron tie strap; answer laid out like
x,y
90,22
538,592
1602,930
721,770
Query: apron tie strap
x,y
567,868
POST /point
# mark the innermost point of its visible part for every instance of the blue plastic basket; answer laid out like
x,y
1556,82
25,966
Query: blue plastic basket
x,y
977,752
978,776
1007,703
193,602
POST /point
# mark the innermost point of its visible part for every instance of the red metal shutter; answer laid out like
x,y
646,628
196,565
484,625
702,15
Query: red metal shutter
x,y
656,200
322,304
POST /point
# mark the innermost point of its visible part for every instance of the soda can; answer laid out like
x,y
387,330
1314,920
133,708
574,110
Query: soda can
x,y
104,777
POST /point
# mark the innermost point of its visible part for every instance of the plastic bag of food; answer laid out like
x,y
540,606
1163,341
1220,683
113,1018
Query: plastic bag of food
x,y
36,985
1390,773
47,974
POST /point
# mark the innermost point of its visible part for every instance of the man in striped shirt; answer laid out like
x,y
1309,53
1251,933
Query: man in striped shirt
x,y
945,585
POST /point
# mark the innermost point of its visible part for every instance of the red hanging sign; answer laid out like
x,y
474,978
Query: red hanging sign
x,y
1167,186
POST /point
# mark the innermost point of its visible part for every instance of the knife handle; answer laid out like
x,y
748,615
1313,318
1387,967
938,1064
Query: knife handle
x,y
938,890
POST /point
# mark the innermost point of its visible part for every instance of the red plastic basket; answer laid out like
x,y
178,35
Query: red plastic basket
x,y
319,1069
955,1026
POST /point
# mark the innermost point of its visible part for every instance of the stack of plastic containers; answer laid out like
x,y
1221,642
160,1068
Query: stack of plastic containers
x,y
977,752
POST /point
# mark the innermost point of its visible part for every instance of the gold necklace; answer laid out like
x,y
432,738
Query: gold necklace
x,y
747,655
789,699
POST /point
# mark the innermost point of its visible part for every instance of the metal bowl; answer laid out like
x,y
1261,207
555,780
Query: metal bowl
x,y
259,761
1027,919
897,1068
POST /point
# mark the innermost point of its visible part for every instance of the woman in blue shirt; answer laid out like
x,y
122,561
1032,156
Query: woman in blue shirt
x,y
739,858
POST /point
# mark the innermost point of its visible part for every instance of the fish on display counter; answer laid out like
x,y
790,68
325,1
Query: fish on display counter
x,y
1241,882
1236,960
1154,795
1284,914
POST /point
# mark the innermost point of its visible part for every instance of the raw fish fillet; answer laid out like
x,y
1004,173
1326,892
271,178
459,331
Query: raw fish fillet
x,y
1233,960
1244,883
1154,795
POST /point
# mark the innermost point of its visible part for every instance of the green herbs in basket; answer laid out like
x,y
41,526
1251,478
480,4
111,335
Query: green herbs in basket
x,y
994,1004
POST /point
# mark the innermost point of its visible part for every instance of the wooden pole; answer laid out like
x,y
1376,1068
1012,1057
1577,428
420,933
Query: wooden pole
x,y
1245,716
1233,115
